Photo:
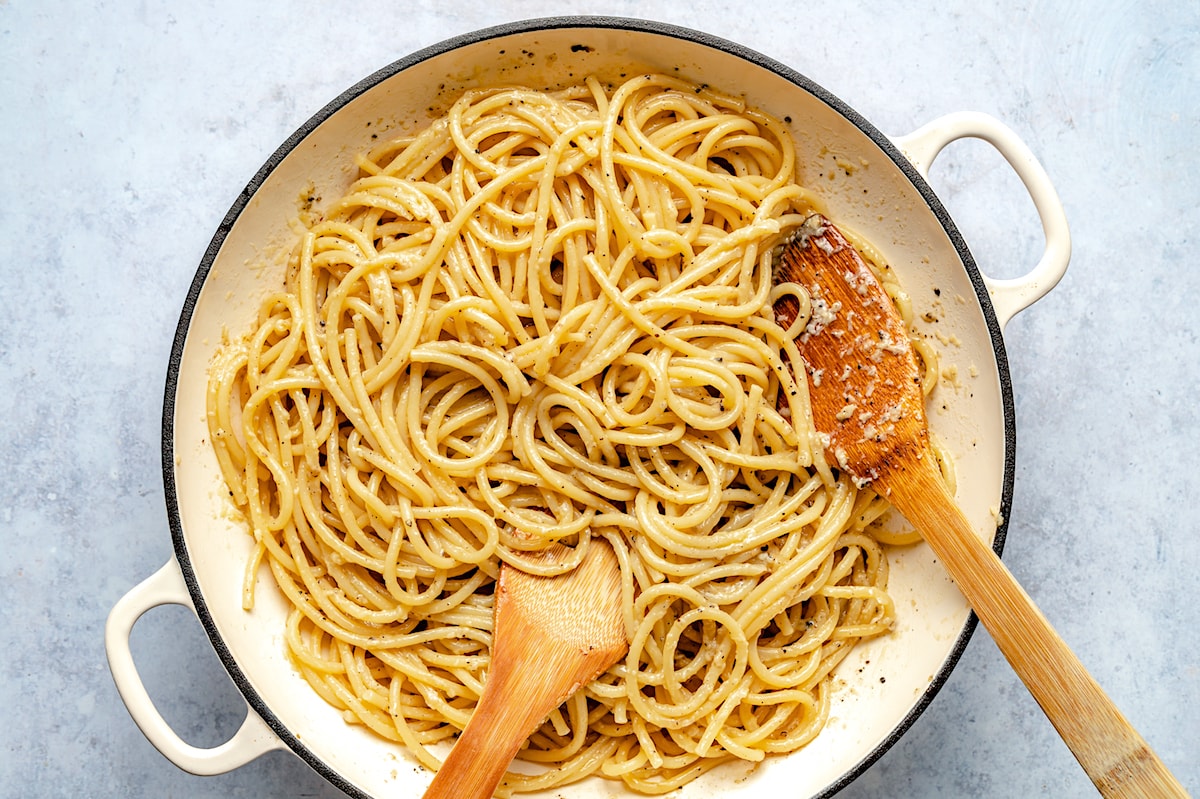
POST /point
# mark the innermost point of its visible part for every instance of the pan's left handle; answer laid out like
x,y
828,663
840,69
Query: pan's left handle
x,y
1009,296
167,587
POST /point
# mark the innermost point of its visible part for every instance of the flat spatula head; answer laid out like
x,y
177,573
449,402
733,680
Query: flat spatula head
x,y
864,380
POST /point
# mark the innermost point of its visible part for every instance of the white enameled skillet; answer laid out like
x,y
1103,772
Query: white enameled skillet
x,y
869,181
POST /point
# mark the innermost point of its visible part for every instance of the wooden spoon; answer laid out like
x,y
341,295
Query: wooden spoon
x,y
552,636
866,396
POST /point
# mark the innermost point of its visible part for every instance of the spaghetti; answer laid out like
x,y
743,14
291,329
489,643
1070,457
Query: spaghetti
x,y
547,317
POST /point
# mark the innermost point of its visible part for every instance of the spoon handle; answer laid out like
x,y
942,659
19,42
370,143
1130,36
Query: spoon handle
x,y
1117,759
501,723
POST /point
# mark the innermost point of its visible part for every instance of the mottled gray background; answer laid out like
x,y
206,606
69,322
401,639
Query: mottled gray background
x,y
128,128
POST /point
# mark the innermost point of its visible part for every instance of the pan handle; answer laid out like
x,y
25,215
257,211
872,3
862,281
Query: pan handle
x,y
253,738
1009,296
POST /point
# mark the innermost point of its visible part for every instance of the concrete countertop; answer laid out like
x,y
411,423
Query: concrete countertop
x,y
128,129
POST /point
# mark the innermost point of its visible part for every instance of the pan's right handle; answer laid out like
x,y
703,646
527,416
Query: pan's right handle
x,y
1009,296
167,587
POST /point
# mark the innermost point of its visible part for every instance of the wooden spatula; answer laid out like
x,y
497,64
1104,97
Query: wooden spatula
x,y
866,396
552,636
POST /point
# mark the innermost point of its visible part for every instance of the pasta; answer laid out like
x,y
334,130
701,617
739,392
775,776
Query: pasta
x,y
547,317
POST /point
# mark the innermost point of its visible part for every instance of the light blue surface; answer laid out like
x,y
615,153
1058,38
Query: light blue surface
x,y
128,129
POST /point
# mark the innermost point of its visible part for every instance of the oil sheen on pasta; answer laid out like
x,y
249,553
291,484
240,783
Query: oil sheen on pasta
x,y
548,317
